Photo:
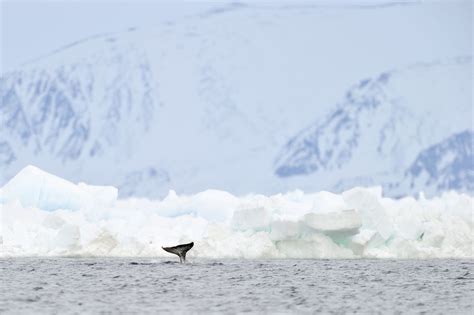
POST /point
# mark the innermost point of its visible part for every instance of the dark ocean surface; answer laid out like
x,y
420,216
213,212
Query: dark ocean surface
x,y
147,285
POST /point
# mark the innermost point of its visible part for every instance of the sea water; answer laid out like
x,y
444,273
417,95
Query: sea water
x,y
151,285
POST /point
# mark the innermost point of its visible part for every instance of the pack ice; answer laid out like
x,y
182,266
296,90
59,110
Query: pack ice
x,y
42,214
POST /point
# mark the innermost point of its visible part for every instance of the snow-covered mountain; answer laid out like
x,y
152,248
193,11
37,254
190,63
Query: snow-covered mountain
x,y
208,101
75,110
392,129
446,165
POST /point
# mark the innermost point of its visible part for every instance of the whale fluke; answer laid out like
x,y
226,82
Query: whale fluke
x,y
180,250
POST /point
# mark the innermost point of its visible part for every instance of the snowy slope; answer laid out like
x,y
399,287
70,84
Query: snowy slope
x,y
446,165
208,101
75,110
385,127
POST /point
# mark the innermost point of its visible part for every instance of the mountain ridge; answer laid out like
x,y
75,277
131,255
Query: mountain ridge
x,y
200,103
331,143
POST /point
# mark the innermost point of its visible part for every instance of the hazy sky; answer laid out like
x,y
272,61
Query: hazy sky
x,y
30,29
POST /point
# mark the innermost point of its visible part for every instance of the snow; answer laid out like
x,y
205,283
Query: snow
x,y
201,101
34,187
391,130
45,215
346,221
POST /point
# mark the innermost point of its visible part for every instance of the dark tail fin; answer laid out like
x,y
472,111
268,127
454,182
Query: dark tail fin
x,y
180,250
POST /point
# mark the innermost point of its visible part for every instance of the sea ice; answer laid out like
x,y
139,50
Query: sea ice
x,y
45,215
34,187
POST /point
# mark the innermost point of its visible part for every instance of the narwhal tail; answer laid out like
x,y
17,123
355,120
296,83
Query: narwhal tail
x,y
180,250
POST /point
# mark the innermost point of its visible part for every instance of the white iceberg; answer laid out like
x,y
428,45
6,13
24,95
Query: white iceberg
x,y
45,215
34,187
